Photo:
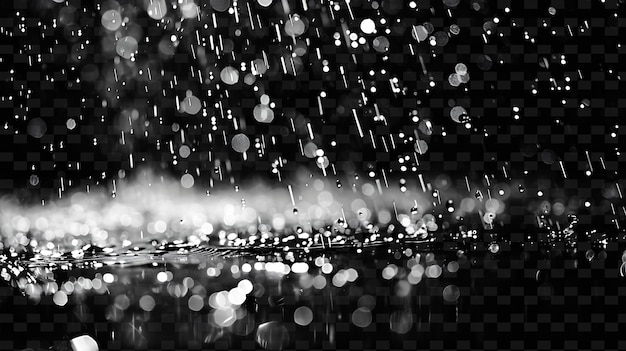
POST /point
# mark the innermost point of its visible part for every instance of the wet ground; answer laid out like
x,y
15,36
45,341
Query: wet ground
x,y
529,297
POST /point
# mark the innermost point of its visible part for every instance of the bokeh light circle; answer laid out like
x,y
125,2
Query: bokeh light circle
x,y
220,5
229,75
368,26
195,303
263,113
303,316
147,303
127,47
157,9
187,181
60,298
240,143
362,317
111,20
191,105
451,293
37,128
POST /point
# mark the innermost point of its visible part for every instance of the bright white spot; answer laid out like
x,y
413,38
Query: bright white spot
x,y
368,26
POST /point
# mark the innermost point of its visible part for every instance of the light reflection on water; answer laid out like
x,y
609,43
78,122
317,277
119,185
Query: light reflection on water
x,y
349,280
343,280
230,299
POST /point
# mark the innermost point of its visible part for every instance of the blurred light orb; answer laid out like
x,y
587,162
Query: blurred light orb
x,y
249,79
60,298
441,38
433,271
460,69
367,301
293,65
37,128
207,228
454,80
189,9
295,27
319,282
451,3
122,302
220,5
451,293
259,66
310,149
263,113
70,124
225,316
381,44
195,303
162,277
84,343
240,143
419,33
303,316
108,278
401,322
457,113
464,78
127,47
264,99
300,267
301,48
453,267
245,285
455,29
157,9
368,26
191,105
236,296
184,151
494,248
265,3
111,20
229,75
323,162
147,303
166,48
362,317
421,147
187,181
